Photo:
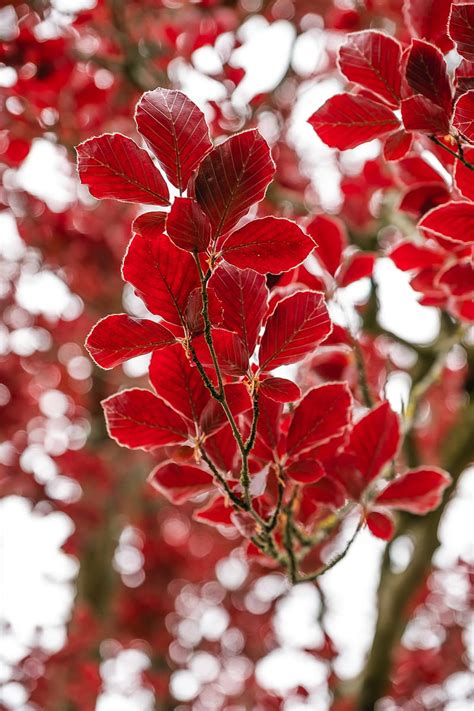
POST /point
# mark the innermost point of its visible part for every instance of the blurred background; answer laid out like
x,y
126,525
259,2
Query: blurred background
x,y
110,597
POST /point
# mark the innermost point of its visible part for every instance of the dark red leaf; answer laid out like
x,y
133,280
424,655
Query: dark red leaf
x,y
231,354
453,221
346,121
325,491
381,524
397,145
463,176
306,471
193,313
270,244
418,491
178,382
137,419
280,389
150,224
372,59
163,276
374,440
299,323
113,166
187,226
243,295
427,74
323,414
421,114
118,337
331,238
357,266
463,118
419,199
176,131
461,28
233,177
180,482
213,417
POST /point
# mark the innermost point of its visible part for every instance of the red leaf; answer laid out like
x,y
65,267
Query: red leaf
x,y
374,440
323,414
233,177
179,483
137,419
346,121
113,166
178,382
458,279
187,226
421,114
428,20
422,198
463,176
118,337
299,323
452,221
325,491
270,244
461,29
397,145
407,256
306,471
427,74
331,238
176,131
243,295
463,118
217,513
372,59
280,389
358,266
381,524
418,491
150,224
163,276
193,313
213,416
230,351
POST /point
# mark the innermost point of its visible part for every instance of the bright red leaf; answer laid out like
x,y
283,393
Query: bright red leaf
x,y
116,338
358,266
306,471
178,382
418,491
397,145
372,59
232,178
176,131
299,323
280,389
137,419
323,414
374,440
150,224
187,226
331,238
113,166
420,114
453,221
428,19
179,482
270,244
463,118
346,121
381,525
243,295
163,276
463,176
